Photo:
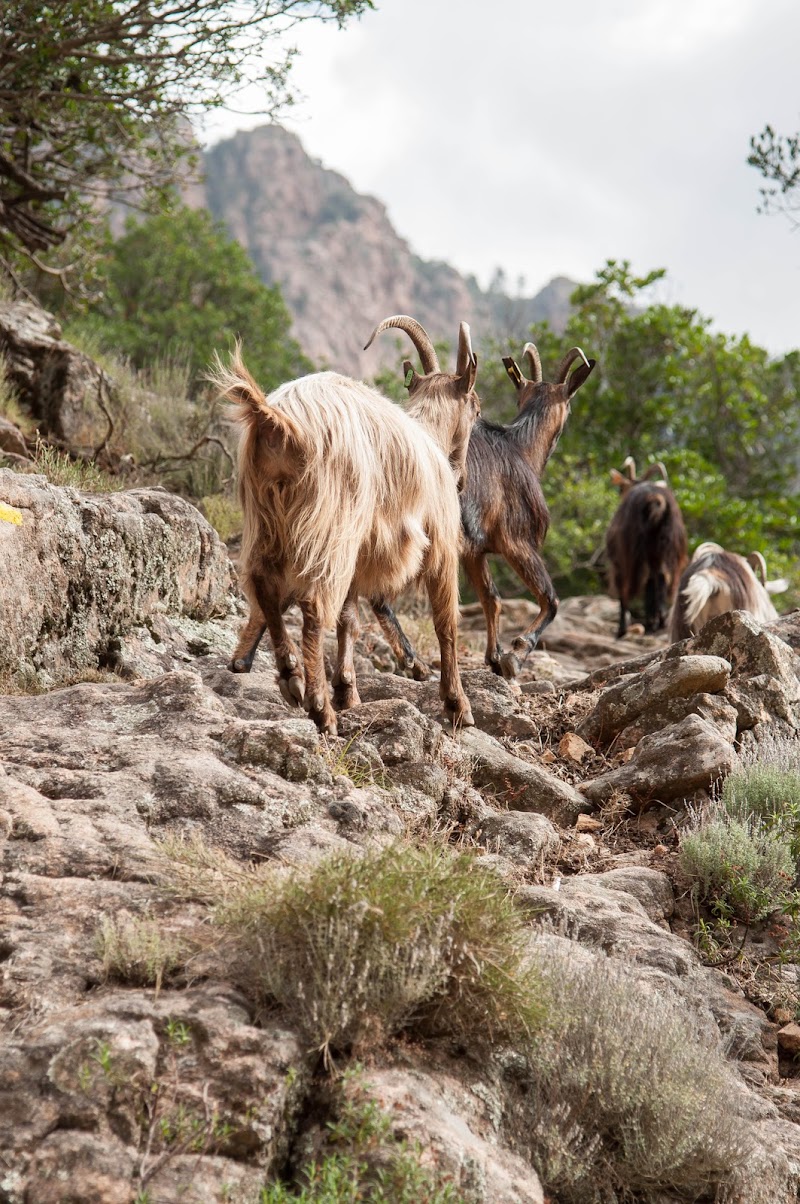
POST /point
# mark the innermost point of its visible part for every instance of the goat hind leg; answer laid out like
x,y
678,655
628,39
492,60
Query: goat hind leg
x,y
529,566
442,586
345,690
398,640
249,639
316,700
480,576
291,679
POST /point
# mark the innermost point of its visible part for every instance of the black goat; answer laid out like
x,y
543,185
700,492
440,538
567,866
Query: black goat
x,y
646,545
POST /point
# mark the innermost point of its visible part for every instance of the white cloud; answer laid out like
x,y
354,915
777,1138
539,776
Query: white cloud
x,y
546,138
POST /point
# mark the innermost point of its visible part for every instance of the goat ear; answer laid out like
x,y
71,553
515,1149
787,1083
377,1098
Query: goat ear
x,y
618,479
512,368
466,380
411,378
277,431
579,377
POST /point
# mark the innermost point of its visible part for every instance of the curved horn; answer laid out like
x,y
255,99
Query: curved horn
x,y
466,355
759,566
418,336
569,359
536,364
657,467
630,464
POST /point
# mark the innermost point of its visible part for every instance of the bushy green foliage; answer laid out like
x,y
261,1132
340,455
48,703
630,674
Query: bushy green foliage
x,y
738,867
177,287
224,513
628,1101
96,100
356,947
716,410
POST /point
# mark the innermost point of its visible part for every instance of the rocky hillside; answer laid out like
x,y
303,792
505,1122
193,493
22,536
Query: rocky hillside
x,y
144,1059
241,962
340,264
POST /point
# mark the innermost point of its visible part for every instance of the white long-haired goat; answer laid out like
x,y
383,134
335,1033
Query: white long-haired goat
x,y
717,581
344,494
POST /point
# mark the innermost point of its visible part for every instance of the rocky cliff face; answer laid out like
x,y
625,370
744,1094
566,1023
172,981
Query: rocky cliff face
x,y
340,263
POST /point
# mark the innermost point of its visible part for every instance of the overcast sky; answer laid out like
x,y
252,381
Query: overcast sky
x,y
545,138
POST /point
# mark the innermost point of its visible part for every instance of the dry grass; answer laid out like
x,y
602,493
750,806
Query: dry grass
x,y
139,951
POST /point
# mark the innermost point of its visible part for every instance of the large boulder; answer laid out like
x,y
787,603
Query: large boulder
x,y
82,569
56,382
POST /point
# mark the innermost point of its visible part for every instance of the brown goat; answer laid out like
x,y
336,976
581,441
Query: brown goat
x,y
327,437
717,581
646,545
503,510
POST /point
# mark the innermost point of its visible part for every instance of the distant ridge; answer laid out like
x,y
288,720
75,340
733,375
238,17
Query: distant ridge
x,y
340,263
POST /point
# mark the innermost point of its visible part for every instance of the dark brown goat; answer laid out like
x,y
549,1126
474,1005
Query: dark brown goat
x,y
503,510
646,545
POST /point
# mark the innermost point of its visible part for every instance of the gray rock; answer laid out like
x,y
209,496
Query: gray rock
x,y
113,560
673,763
621,704
517,783
57,383
12,439
524,837
716,709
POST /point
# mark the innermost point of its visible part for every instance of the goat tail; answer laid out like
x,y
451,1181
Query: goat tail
x,y
235,382
696,594
656,506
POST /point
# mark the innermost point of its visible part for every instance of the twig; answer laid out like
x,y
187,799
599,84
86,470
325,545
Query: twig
x,y
102,406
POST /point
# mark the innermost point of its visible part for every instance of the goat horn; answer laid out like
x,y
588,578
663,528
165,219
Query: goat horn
x,y
759,566
533,359
418,336
657,467
569,359
630,464
466,355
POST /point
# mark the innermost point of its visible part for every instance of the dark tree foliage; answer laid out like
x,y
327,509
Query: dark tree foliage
x,y
777,157
178,286
717,410
95,97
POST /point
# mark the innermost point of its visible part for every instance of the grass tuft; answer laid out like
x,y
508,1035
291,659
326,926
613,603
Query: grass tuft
x,y
137,950
738,867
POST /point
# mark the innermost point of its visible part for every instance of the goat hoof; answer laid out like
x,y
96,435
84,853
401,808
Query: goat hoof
x,y
239,665
459,713
292,689
345,696
509,666
420,671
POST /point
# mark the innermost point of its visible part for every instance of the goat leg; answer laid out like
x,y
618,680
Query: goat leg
x,y
316,699
529,566
504,664
442,586
250,638
345,690
291,681
398,641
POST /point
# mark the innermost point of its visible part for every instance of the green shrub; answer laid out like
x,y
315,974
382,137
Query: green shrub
x,y
627,1100
357,946
767,789
738,867
61,469
224,514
